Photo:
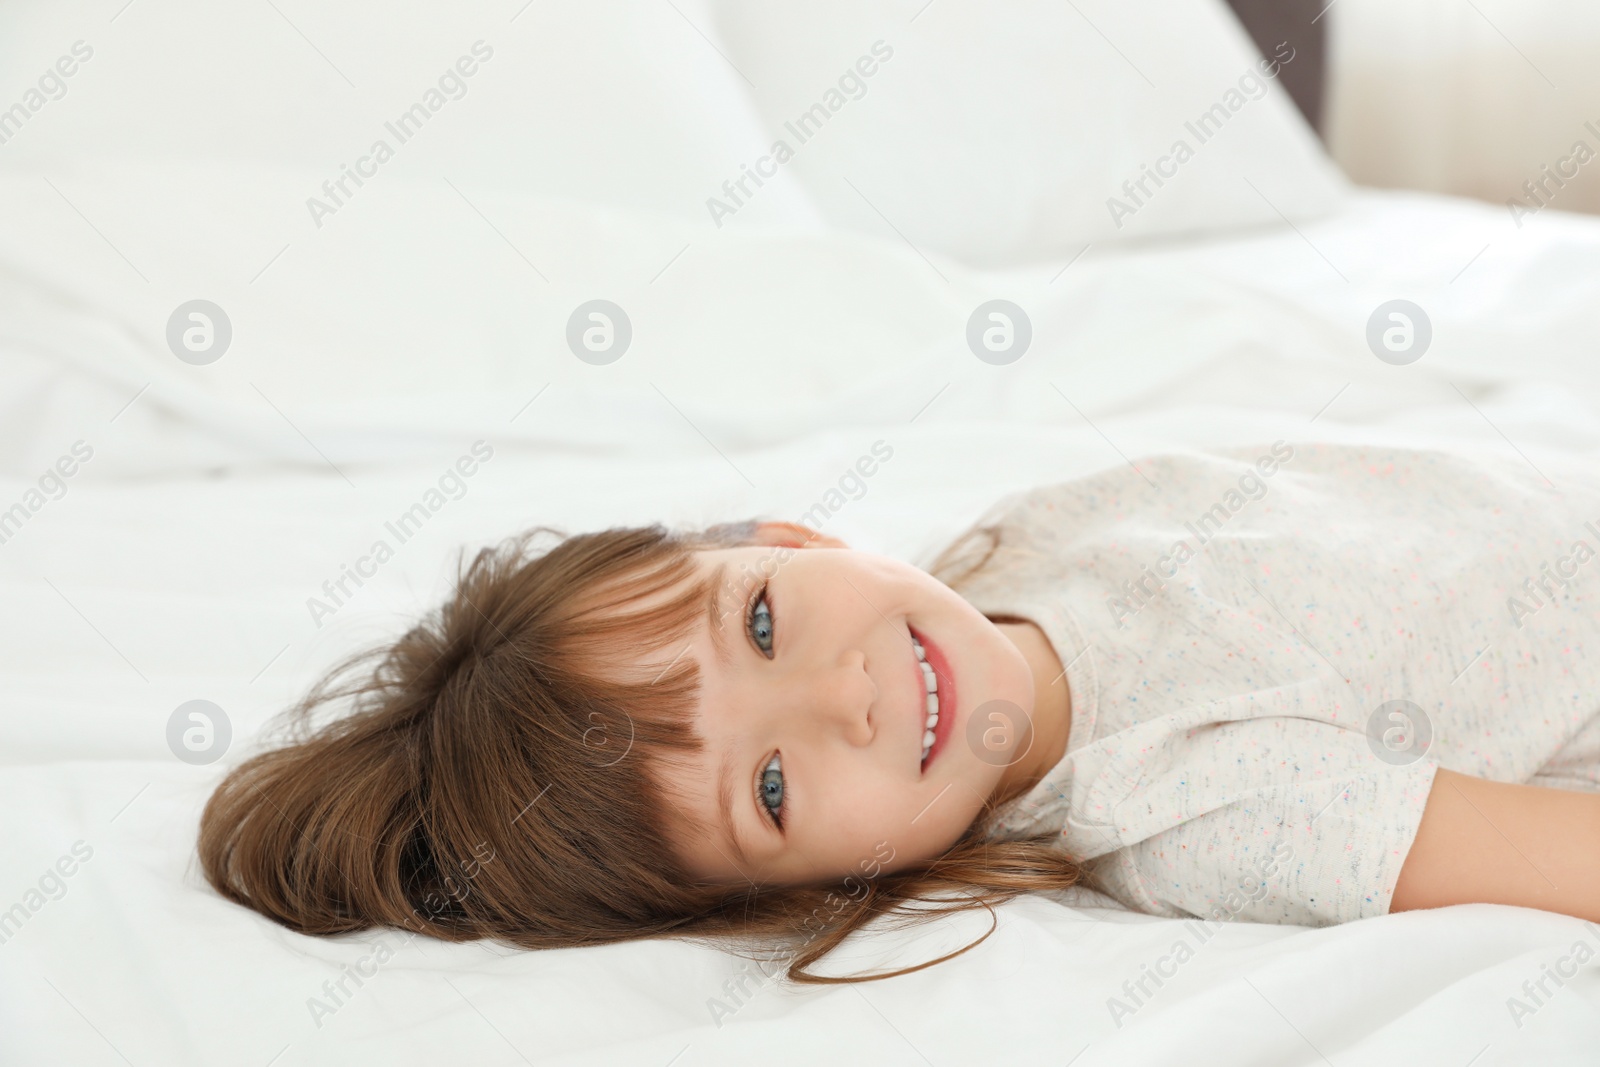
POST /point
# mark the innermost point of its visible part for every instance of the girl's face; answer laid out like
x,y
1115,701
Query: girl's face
x,y
813,709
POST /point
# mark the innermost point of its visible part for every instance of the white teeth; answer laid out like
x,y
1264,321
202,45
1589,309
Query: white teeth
x,y
931,687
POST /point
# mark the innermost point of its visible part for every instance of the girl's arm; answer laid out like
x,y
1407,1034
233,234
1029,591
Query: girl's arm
x,y
1498,843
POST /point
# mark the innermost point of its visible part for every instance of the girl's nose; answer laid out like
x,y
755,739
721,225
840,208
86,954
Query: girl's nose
x,y
843,697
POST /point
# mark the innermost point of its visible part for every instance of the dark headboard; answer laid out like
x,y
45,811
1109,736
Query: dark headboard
x,y
1270,21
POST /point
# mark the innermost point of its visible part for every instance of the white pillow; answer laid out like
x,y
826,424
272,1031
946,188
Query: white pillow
x,y
625,102
1004,132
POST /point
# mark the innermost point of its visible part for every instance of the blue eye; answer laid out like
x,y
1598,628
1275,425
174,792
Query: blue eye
x,y
758,621
770,791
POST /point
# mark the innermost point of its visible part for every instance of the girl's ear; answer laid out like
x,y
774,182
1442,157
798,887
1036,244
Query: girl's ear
x,y
794,535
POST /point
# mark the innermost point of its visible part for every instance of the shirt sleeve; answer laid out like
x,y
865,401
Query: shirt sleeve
x,y
1278,820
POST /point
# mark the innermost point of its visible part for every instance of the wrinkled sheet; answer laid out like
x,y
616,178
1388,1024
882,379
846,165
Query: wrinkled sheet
x,y
179,562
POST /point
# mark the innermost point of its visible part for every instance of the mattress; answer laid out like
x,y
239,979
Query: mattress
x,y
185,559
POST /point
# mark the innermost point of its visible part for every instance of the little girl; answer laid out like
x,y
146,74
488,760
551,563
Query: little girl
x,y
1284,684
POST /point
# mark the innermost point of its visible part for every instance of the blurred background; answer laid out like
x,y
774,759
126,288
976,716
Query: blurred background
x,y
1468,97
1471,97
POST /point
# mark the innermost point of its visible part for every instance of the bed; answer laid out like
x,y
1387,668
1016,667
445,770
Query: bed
x,y
189,556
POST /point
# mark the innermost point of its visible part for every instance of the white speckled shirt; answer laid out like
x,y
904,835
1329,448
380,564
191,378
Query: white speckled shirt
x,y
1234,625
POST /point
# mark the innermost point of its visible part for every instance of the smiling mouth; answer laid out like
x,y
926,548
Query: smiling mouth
x,y
938,707
930,687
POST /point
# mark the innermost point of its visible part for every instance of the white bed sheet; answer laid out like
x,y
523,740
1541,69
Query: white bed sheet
x,y
154,581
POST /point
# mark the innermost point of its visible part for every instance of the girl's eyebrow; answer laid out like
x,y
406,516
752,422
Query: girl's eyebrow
x,y
726,822
714,615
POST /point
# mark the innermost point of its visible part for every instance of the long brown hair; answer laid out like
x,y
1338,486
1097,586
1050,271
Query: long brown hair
x,y
497,773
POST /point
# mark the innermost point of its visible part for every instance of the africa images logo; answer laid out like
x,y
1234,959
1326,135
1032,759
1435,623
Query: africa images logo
x,y
1205,126
451,85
